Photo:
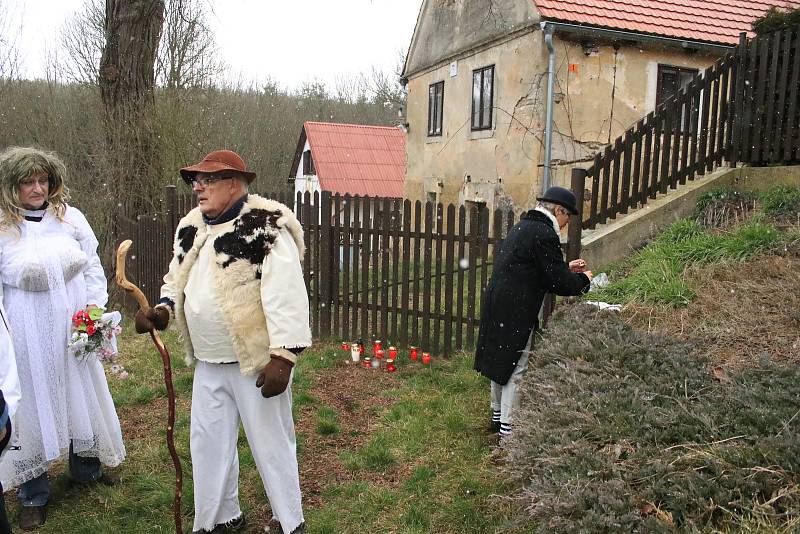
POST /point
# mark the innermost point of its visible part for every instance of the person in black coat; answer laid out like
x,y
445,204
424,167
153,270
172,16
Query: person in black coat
x,y
529,265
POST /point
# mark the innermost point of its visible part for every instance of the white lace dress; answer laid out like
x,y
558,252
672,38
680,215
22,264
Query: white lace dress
x,y
49,270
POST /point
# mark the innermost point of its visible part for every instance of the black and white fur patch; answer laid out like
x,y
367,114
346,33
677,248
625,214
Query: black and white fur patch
x,y
186,237
253,235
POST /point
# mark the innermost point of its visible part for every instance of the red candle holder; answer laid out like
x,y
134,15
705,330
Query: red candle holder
x,y
345,345
379,354
366,362
361,350
413,353
377,344
426,358
392,353
390,367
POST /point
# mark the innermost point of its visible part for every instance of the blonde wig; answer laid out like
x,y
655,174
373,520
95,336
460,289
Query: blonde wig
x,y
19,163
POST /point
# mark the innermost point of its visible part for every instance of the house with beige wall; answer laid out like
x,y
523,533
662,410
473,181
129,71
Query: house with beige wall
x,y
481,88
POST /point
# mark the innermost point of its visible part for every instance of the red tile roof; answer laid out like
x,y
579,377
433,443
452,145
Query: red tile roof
x,y
358,160
714,21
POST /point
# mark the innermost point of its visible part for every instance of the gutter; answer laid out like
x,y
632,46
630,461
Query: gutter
x,y
547,29
621,35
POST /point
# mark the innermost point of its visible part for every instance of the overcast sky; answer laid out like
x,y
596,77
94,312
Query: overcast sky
x,y
291,42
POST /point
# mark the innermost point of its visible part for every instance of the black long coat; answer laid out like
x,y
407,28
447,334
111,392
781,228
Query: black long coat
x,y
529,264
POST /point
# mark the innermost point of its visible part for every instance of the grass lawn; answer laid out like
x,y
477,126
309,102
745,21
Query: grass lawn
x,y
378,452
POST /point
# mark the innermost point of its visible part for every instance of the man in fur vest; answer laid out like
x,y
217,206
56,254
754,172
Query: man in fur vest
x,y
235,289
529,265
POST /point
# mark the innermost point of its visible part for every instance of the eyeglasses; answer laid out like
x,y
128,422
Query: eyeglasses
x,y
42,181
207,179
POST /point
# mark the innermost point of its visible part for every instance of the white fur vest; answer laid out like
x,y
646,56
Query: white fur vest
x,y
239,255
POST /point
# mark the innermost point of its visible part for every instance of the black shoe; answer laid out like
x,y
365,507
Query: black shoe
x,y
493,428
275,526
234,525
32,517
107,479
104,479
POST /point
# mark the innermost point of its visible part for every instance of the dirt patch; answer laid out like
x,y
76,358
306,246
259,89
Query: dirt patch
x,y
358,396
743,312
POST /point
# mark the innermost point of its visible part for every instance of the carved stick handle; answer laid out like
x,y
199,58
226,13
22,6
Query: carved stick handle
x,y
122,280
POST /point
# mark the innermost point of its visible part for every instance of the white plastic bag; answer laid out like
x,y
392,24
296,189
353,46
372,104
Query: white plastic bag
x,y
599,282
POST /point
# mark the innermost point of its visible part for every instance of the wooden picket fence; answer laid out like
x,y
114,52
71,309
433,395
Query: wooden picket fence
x,y
408,273
742,109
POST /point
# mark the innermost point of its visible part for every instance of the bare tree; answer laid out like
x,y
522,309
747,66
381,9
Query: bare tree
x,y
83,38
187,54
127,83
9,53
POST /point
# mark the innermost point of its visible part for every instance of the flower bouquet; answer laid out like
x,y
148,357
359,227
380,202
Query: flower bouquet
x,y
94,335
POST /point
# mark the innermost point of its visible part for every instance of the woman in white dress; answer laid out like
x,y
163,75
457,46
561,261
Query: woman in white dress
x,y
50,269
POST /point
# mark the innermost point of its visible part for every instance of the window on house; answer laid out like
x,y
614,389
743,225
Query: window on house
x,y
474,210
670,81
482,98
435,108
430,197
308,163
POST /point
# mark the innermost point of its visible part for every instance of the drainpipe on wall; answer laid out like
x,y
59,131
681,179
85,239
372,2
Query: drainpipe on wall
x,y
548,125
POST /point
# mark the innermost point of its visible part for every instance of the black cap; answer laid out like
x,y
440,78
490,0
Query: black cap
x,y
561,196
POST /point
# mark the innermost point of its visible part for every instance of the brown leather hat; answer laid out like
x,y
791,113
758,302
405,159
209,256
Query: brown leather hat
x,y
218,161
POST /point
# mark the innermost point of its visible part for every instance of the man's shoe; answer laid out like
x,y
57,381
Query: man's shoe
x,y
493,428
234,525
32,517
275,526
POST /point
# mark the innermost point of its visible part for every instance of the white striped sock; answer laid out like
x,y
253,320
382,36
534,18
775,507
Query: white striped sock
x,y
505,429
495,416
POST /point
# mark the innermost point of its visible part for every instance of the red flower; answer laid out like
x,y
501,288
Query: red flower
x,y
91,329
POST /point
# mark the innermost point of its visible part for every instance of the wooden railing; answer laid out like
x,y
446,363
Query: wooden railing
x,y
742,109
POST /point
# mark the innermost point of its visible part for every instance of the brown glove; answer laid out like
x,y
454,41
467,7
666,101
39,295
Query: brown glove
x,y
274,378
148,319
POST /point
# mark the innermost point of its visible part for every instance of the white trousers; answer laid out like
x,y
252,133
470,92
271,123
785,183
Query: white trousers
x,y
504,398
221,397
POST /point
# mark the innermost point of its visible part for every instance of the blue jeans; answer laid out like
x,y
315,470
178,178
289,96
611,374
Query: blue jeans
x,y
36,491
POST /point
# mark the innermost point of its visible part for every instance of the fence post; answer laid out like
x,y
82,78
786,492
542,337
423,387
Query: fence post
x,y
736,103
326,264
577,185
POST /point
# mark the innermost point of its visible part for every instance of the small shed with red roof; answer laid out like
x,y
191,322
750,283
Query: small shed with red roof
x,y
349,159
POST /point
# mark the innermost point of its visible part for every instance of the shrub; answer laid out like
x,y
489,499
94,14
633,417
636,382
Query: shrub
x,y
619,430
722,207
776,18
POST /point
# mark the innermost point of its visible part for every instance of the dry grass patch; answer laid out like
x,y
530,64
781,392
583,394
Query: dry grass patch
x,y
743,312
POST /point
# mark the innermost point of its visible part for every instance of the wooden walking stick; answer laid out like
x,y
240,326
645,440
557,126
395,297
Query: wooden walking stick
x,y
137,294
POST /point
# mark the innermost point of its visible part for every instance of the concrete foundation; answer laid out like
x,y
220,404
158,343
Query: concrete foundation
x,y
611,242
